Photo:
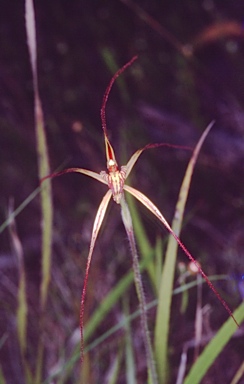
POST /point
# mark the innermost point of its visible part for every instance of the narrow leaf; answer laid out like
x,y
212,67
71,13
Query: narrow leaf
x,y
22,299
31,36
20,208
144,200
22,309
238,375
2,378
166,286
110,61
214,348
113,376
129,352
110,300
43,170
42,152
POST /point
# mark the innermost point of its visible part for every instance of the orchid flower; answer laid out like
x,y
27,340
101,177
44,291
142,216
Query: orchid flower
x,y
115,179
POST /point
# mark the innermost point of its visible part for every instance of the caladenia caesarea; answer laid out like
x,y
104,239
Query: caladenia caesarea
x,y
115,178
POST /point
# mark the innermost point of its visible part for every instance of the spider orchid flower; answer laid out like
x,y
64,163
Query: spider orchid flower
x,y
115,179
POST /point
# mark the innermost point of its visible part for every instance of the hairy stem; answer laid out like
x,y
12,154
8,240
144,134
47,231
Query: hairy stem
x,y
126,217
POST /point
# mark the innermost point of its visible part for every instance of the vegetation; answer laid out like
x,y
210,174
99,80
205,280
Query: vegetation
x,y
41,282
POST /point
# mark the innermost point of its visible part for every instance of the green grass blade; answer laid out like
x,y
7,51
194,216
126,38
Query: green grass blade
x,y
43,170
107,304
166,286
99,315
68,367
214,348
22,305
129,354
20,208
238,375
122,323
113,67
110,300
115,369
42,153
22,309
2,379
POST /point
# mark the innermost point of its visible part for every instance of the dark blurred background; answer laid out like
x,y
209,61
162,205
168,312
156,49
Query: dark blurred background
x,y
189,72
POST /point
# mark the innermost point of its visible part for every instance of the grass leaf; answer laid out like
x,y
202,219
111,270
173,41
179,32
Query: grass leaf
x,y
166,286
129,353
43,170
22,309
238,375
2,379
214,348
42,152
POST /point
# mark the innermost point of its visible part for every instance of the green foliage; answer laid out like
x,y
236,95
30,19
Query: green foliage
x,y
159,268
214,348
166,285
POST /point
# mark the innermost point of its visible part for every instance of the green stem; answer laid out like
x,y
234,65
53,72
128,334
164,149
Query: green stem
x,y
126,217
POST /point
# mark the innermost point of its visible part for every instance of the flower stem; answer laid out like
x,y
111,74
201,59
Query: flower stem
x,y
126,217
